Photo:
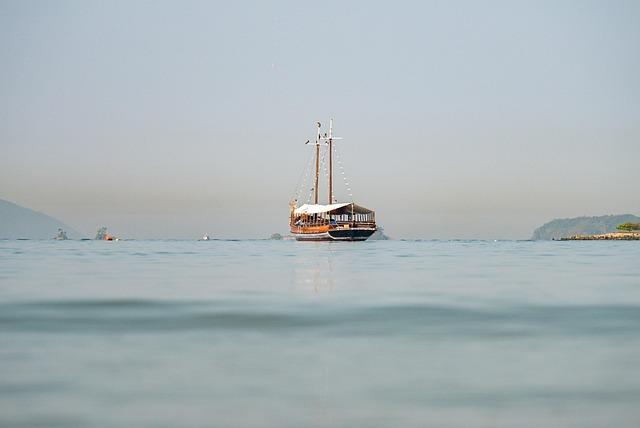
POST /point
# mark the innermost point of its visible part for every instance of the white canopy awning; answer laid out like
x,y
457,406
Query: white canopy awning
x,y
318,209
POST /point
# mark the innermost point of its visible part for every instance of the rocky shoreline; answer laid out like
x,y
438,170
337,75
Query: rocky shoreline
x,y
613,236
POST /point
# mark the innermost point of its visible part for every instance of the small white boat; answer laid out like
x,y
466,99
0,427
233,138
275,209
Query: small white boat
x,y
61,236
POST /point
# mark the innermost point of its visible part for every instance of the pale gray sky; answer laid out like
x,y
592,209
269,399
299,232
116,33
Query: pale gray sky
x,y
460,119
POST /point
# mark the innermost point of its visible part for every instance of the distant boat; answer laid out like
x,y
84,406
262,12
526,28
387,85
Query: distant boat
x,y
335,221
204,238
61,236
102,235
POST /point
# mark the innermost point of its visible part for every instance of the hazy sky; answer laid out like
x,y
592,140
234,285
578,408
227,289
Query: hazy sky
x,y
460,119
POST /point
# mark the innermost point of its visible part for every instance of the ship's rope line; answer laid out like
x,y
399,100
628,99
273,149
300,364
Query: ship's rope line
x,y
303,179
310,169
302,186
342,174
307,177
307,182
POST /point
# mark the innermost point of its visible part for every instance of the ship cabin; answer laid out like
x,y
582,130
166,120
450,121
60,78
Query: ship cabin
x,y
342,215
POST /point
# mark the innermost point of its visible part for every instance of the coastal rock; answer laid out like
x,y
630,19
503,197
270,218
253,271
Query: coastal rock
x,y
565,227
614,236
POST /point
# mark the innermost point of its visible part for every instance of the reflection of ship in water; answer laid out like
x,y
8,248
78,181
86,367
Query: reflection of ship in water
x,y
102,235
315,275
336,221
61,236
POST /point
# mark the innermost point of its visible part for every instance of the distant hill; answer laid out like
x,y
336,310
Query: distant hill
x,y
564,227
19,222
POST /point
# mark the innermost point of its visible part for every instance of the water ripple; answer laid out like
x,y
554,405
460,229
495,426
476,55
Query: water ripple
x,y
92,316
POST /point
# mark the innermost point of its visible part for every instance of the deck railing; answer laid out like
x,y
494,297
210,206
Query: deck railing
x,y
353,222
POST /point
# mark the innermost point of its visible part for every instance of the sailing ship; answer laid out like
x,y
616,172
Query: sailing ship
x,y
335,221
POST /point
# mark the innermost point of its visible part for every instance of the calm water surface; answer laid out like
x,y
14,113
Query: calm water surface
x,y
287,334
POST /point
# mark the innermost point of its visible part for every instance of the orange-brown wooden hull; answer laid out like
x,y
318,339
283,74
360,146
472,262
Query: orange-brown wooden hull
x,y
310,229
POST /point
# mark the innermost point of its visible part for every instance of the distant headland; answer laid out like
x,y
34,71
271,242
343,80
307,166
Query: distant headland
x,y
18,222
587,228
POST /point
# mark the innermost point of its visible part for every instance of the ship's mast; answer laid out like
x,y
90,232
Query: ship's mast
x,y
329,138
330,161
319,138
317,165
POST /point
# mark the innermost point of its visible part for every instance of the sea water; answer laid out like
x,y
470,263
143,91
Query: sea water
x,y
289,334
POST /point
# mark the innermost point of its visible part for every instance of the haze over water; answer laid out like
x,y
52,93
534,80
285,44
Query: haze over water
x,y
287,334
460,119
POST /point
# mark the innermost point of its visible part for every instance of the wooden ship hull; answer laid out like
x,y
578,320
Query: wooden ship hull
x,y
333,234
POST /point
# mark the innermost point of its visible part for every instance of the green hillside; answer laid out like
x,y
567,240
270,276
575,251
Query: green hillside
x,y
564,227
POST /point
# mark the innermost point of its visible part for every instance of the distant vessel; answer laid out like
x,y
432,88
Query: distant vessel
x,y
335,221
204,238
102,235
61,236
